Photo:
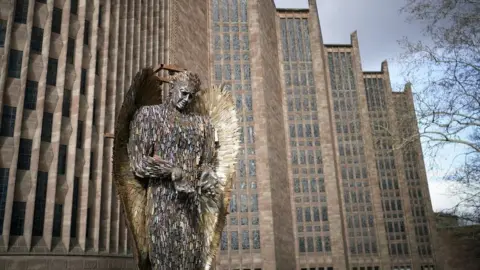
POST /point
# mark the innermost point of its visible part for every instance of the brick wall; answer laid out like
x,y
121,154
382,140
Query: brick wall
x,y
189,37
275,137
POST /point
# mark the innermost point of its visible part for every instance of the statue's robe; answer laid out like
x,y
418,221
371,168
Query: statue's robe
x,y
177,239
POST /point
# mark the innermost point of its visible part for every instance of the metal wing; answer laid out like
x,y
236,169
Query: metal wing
x,y
146,89
218,105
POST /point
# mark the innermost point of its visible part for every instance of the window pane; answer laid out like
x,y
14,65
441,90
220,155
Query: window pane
x,y
73,225
30,101
83,81
18,218
52,71
254,203
3,193
86,32
67,99
234,240
3,30
245,240
256,239
40,200
24,154
62,159
79,134
57,20
301,244
57,220
36,40
224,241
70,50
74,6
15,63
21,11
8,121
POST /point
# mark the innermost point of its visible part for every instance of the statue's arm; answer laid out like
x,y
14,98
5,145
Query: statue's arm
x,y
143,131
209,180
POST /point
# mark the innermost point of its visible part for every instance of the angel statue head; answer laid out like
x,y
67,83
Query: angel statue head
x,y
184,86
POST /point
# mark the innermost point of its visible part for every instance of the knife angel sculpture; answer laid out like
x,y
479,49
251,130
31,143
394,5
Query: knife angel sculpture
x,y
173,166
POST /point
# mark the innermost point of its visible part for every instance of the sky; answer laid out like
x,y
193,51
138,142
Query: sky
x,y
379,26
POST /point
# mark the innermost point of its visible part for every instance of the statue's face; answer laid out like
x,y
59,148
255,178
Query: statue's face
x,y
182,95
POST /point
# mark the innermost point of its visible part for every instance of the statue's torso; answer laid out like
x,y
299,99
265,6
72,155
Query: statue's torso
x,y
187,141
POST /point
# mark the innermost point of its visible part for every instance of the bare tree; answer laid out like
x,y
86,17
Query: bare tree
x,y
445,68
468,207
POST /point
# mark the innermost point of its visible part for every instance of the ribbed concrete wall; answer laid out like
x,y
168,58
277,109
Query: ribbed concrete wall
x,y
89,53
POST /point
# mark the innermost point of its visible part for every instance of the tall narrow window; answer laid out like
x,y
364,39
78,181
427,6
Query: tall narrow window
x,y
18,218
86,32
256,239
83,81
36,40
79,134
57,220
310,246
21,11
73,6
224,241
47,125
243,203
30,100
62,159
318,244
94,118
252,171
245,240
92,163
57,20
8,121
15,63
40,201
52,71
324,213
251,135
89,213
234,240
97,63
301,245
4,172
70,50
328,247
100,14
73,225
24,154
67,99
3,32
233,204
254,203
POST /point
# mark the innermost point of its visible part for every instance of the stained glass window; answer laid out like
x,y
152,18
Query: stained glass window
x,y
234,240
256,239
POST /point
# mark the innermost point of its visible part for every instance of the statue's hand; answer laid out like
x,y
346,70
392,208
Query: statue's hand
x,y
209,182
179,182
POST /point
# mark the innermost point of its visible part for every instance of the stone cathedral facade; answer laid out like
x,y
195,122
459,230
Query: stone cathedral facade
x,y
319,185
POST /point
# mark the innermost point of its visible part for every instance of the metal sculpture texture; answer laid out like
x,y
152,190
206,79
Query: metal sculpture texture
x,y
174,162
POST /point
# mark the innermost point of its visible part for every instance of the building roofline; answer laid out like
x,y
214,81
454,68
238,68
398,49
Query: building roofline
x,y
297,10
372,72
441,214
337,45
